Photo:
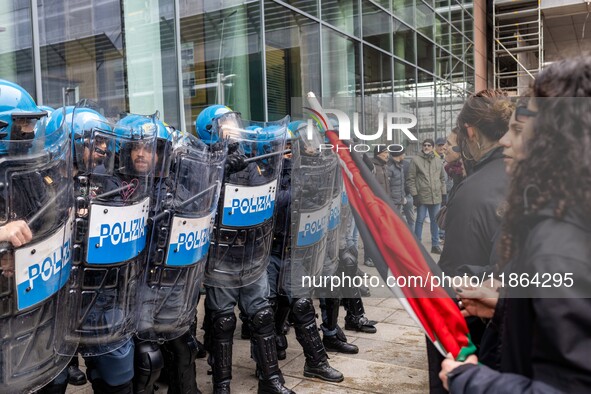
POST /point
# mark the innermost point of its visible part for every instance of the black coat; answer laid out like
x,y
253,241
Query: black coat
x,y
545,342
473,218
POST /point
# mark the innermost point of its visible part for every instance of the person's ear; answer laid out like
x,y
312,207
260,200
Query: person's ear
x,y
472,134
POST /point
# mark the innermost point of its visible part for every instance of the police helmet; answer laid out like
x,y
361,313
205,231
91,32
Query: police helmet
x,y
83,121
204,123
18,115
134,132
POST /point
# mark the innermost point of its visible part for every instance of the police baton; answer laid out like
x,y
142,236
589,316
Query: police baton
x,y
112,192
47,205
255,158
186,202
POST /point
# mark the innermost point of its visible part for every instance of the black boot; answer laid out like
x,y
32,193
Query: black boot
x,y
265,353
317,365
355,319
75,376
338,343
360,324
273,385
220,350
180,355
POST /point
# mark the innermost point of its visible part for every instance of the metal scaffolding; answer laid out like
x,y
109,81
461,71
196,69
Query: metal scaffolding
x,y
518,51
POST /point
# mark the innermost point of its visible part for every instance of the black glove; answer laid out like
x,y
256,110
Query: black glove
x,y
233,147
218,146
235,163
415,201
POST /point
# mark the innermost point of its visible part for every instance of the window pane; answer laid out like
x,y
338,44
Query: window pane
x,y
377,73
441,31
404,77
425,19
376,26
340,65
404,10
151,61
404,42
83,49
424,53
221,53
343,15
377,76
293,58
16,53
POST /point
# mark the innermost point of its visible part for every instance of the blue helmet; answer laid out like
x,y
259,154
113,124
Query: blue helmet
x,y
18,114
82,120
57,120
264,139
204,123
247,145
140,125
133,129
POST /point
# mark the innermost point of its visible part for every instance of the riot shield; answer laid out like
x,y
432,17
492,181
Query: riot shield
x,y
312,179
331,261
243,230
36,194
113,185
180,239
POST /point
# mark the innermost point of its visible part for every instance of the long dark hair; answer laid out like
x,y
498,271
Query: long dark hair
x,y
556,173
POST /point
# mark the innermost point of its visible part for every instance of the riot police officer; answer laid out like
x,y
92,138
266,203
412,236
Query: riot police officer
x,y
35,254
113,193
240,246
185,196
299,249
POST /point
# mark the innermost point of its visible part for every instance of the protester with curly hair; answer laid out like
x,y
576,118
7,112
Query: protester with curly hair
x,y
545,336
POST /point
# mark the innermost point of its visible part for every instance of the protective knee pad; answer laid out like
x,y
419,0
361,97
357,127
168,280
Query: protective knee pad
x,y
180,355
303,311
307,332
331,316
348,261
113,369
220,355
148,365
263,343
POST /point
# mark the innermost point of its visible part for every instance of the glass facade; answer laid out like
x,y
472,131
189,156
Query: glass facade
x,y
178,56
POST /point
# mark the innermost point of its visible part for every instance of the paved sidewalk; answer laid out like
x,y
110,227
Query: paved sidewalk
x,y
390,361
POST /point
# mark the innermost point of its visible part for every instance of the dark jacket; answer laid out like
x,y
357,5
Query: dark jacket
x,y
397,182
473,217
382,173
426,178
545,342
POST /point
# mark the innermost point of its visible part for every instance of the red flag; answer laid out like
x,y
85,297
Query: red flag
x,y
389,236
